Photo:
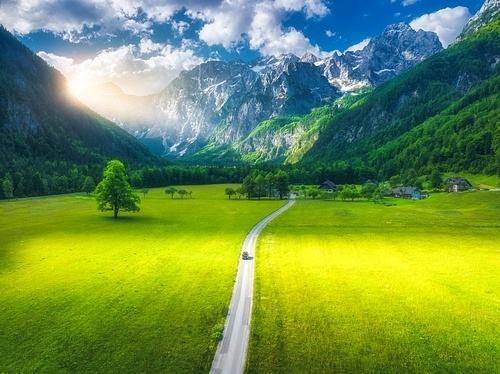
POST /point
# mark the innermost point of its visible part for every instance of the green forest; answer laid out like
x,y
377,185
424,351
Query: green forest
x,y
442,114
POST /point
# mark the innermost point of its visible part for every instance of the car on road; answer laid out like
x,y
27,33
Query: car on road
x,y
245,255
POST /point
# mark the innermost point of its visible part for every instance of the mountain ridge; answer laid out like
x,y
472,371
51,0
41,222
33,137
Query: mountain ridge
x,y
223,102
48,134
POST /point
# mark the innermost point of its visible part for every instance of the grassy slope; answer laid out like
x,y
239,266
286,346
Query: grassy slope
x,y
82,292
361,288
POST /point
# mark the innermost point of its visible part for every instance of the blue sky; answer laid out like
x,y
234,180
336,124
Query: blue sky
x,y
143,45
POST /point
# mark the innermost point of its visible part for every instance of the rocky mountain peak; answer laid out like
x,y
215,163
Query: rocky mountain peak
x,y
222,102
310,58
489,11
398,48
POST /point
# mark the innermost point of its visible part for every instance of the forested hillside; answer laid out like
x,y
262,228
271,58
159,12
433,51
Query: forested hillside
x,y
49,141
442,114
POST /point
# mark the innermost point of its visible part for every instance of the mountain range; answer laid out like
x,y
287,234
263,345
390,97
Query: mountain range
x,y
219,103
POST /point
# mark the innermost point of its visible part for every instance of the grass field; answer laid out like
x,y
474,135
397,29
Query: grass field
x,y
81,292
354,287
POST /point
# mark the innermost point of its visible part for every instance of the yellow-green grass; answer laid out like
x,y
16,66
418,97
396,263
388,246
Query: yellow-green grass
x,y
81,292
354,287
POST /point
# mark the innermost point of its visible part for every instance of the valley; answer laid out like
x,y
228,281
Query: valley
x,y
339,285
349,279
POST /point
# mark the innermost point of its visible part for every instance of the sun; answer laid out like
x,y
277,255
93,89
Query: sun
x,y
76,87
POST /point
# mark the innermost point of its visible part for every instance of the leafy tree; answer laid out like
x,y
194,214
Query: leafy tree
x,y
248,186
260,186
20,190
349,192
313,192
88,185
303,190
144,191
368,190
8,187
114,192
239,191
270,180
282,183
182,192
411,177
230,192
171,191
436,179
190,193
380,192
395,181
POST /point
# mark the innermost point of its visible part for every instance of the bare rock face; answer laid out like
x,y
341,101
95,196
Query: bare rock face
x,y
386,56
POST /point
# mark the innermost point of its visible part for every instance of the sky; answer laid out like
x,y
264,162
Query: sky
x,y
142,45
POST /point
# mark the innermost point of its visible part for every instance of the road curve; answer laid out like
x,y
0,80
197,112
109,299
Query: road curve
x,y
232,349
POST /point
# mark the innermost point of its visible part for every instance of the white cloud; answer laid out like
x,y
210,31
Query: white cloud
x,y
127,67
59,62
359,46
312,8
148,46
409,2
330,33
149,66
180,27
446,23
261,25
227,24
69,17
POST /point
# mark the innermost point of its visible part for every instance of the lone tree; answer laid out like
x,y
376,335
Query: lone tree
x,y
114,192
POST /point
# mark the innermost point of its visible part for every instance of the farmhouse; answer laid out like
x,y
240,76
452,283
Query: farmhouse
x,y
328,186
456,184
407,193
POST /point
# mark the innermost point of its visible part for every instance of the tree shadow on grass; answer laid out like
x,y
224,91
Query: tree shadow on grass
x,y
131,219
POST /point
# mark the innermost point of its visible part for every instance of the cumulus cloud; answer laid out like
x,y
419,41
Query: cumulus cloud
x,y
446,23
224,22
261,25
69,17
148,46
149,66
127,67
359,46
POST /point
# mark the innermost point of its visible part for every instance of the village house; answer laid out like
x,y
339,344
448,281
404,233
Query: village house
x,y
456,184
328,186
407,193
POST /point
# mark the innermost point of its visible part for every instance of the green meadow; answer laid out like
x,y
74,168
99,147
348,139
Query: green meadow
x,y
347,287
354,287
81,292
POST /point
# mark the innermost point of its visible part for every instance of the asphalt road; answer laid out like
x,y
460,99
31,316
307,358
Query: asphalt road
x,y
232,349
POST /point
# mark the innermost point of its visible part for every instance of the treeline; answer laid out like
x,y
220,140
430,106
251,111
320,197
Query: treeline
x,y
58,177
